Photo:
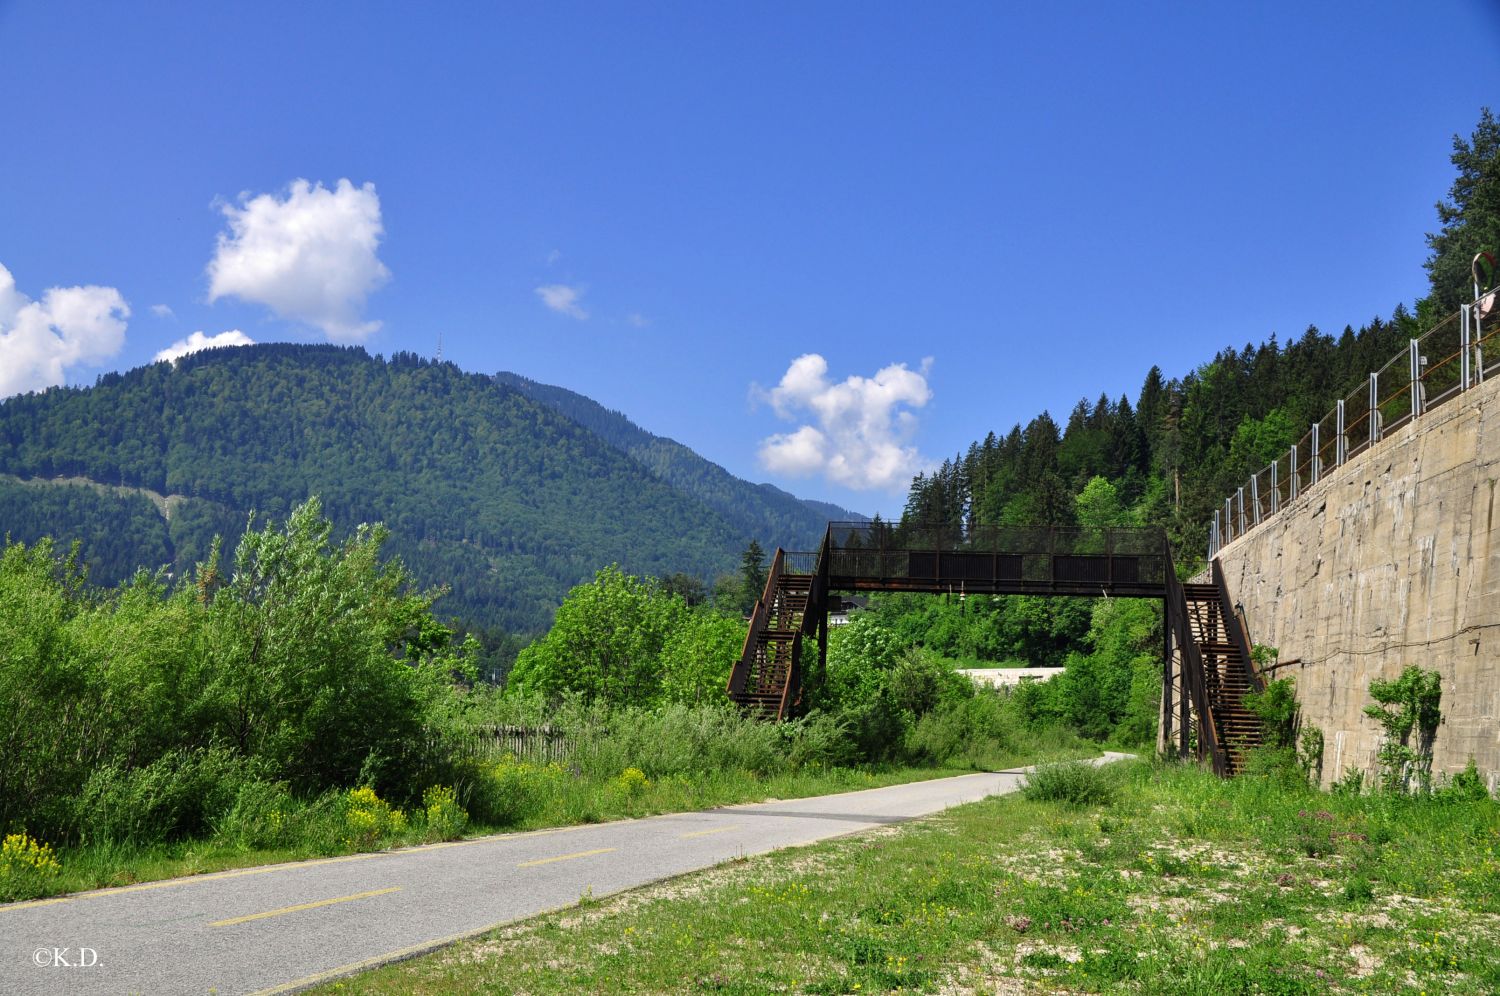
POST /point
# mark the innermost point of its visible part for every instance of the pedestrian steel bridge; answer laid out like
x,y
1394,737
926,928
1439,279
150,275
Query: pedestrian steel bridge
x,y
995,560
1212,661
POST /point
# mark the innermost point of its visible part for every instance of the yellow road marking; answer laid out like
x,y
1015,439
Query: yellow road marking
x,y
565,857
304,906
705,833
296,865
188,880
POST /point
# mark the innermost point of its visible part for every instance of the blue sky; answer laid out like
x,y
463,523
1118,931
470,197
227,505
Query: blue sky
x,y
664,206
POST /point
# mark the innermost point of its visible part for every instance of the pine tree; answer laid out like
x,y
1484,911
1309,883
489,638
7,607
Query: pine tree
x,y
752,575
1470,217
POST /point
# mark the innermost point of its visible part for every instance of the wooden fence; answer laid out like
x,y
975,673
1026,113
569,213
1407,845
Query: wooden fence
x,y
537,744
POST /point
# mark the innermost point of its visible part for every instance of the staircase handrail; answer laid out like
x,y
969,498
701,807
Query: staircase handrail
x,y
1193,669
758,620
1233,621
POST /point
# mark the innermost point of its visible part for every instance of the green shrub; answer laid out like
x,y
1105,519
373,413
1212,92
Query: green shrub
x,y
1358,890
688,740
369,821
507,791
1352,782
264,815
632,782
178,795
1277,709
1466,786
1279,765
1407,704
444,817
974,732
875,728
1073,783
817,740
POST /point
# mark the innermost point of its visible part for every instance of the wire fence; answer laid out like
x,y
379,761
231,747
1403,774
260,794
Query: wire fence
x,y
1436,367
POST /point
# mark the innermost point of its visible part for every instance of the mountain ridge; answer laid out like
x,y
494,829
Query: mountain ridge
x,y
742,502
487,490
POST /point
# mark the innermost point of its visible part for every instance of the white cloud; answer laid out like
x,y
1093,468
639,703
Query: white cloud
x,y
67,327
197,341
554,256
163,311
309,257
637,320
563,299
864,425
795,454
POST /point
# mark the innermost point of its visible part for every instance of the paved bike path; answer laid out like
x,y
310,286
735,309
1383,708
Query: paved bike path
x,y
279,928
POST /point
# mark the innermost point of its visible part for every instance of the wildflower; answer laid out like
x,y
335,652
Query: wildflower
x,y
21,853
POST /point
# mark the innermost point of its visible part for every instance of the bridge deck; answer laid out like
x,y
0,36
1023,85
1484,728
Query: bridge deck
x,y
1124,563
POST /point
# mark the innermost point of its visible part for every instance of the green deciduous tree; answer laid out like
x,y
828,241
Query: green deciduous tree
x,y
313,663
625,641
698,656
605,642
322,655
1098,505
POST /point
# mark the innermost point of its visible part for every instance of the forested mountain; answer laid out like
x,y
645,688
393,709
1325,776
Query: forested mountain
x,y
1185,443
502,498
755,509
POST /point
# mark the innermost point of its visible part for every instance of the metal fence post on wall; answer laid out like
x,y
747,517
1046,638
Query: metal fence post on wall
x,y
1293,465
1213,538
1478,348
1463,349
1313,458
1374,408
1255,500
1275,489
1240,498
1340,444
1416,381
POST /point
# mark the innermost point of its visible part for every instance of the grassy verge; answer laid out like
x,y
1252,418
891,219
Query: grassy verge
x,y
553,798
1162,880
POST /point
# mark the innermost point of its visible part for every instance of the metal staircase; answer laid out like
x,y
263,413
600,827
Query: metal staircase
x,y
1214,673
768,678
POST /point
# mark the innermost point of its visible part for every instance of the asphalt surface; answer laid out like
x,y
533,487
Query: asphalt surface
x,y
280,928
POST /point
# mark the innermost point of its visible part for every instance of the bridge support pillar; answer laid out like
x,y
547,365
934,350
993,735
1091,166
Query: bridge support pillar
x,y
1164,725
823,648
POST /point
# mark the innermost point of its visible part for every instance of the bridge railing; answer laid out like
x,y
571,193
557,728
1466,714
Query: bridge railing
x,y
891,536
1455,355
1124,560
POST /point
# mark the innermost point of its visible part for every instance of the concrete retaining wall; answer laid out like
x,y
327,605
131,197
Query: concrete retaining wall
x,y
1392,559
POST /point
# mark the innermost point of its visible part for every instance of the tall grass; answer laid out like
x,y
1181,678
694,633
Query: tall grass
x,y
196,811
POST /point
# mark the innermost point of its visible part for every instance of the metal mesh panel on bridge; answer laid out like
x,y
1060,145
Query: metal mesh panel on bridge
x,y
914,557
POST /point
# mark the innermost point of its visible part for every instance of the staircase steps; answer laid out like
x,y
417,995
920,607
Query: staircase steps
x,y
768,674
1226,675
